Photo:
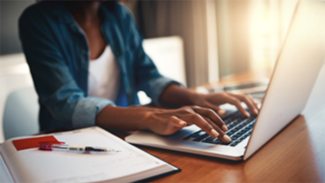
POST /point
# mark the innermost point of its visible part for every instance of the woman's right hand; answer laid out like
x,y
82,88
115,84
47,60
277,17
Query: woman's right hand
x,y
166,122
162,121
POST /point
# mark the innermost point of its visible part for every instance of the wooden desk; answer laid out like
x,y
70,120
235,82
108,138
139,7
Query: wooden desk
x,y
296,154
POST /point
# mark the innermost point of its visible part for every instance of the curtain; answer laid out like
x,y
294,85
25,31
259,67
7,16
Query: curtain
x,y
186,19
249,33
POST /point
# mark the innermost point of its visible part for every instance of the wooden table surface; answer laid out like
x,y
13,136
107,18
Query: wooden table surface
x,y
296,154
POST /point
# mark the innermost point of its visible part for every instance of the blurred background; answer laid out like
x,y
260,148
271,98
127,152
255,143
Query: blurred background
x,y
218,37
230,36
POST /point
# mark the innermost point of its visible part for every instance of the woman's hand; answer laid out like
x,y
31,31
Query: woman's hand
x,y
166,122
213,101
176,95
162,121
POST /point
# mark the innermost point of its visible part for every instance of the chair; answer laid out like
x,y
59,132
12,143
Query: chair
x,y
20,116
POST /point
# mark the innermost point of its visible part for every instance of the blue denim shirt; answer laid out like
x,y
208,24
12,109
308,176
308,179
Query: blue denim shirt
x,y
57,53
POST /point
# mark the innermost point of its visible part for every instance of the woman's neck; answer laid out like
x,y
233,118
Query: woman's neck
x,y
84,11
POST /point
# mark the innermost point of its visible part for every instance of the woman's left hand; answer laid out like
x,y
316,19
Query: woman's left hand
x,y
213,101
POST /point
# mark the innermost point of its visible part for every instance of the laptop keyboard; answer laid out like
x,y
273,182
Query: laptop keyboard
x,y
239,128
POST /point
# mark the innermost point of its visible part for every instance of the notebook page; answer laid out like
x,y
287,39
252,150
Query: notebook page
x,y
33,165
4,173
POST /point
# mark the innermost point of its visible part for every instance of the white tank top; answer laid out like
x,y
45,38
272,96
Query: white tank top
x,y
104,76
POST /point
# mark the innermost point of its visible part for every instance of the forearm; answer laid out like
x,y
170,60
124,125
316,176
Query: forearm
x,y
129,119
176,95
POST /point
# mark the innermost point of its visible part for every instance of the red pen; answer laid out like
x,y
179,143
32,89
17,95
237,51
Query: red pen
x,y
61,146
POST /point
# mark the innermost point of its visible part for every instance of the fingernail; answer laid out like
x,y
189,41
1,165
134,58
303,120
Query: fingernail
x,y
227,138
215,133
224,128
255,110
183,123
221,112
247,114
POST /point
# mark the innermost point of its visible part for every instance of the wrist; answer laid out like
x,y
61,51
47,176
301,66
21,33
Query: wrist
x,y
144,122
196,98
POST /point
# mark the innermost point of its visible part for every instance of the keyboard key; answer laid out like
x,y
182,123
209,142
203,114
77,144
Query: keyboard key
x,y
233,144
195,134
225,143
187,137
229,133
209,140
217,141
199,138
201,132
240,132
237,128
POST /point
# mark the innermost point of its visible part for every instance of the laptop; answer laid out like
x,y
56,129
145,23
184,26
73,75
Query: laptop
x,y
294,75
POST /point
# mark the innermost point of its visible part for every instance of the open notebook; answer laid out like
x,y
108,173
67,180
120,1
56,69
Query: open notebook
x,y
129,165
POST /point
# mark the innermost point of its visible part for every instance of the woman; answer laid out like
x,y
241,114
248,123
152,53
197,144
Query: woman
x,y
64,41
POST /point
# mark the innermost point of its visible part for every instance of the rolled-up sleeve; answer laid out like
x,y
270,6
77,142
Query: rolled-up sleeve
x,y
53,80
86,110
156,86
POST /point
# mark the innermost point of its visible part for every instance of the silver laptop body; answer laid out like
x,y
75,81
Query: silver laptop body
x,y
295,73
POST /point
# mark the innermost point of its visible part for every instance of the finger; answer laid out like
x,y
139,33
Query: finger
x,y
174,124
211,115
249,102
234,101
217,109
204,125
257,103
222,135
175,121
